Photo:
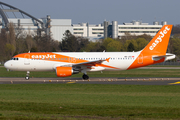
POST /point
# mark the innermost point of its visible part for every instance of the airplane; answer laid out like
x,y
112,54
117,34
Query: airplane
x,y
68,63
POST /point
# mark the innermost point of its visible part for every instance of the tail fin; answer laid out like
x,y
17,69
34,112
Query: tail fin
x,y
155,51
158,45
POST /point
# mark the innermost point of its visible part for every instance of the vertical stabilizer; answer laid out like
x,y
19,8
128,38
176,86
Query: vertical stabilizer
x,y
155,51
160,42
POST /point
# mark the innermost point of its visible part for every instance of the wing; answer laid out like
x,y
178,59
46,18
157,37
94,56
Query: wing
x,y
91,63
85,65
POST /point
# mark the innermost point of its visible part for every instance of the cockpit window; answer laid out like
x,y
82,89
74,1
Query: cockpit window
x,y
14,58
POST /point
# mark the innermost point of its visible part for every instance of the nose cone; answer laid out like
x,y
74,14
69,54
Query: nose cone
x,y
7,65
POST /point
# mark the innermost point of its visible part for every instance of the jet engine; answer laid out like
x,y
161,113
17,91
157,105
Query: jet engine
x,y
65,71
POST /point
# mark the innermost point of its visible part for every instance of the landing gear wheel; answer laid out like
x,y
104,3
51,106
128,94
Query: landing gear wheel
x,y
85,77
27,77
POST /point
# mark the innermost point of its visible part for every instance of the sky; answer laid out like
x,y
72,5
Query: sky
x,y
96,11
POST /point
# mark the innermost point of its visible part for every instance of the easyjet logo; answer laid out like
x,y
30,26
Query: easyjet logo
x,y
159,39
43,56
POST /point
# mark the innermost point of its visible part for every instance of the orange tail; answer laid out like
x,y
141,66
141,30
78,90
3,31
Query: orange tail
x,y
159,44
155,51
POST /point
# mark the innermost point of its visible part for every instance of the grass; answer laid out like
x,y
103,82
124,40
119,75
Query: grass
x,y
88,101
126,73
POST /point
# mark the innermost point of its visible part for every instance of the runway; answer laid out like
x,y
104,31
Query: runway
x,y
128,81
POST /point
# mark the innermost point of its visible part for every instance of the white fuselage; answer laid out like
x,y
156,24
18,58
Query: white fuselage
x,y
117,61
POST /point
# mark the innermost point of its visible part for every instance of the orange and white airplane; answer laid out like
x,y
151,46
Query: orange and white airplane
x,y
67,63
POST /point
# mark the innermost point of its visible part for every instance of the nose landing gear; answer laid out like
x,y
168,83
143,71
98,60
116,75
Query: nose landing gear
x,y
27,75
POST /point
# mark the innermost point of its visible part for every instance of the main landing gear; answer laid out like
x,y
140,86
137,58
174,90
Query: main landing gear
x,y
27,75
85,77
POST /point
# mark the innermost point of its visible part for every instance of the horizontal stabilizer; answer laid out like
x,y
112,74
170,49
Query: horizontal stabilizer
x,y
168,56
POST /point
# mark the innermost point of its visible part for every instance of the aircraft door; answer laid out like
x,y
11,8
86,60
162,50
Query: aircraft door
x,y
140,59
26,59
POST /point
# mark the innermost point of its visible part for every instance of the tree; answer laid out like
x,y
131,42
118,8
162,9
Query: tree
x,y
114,46
3,41
29,42
106,42
21,45
9,48
83,42
125,45
145,36
69,42
176,44
34,49
130,47
19,32
44,43
141,42
176,29
92,47
11,40
127,36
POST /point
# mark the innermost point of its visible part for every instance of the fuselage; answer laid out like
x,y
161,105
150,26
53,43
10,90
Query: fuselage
x,y
48,62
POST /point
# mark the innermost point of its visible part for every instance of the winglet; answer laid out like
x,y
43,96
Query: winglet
x,y
107,59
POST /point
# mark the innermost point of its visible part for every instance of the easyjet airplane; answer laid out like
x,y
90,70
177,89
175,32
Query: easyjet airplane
x,y
67,63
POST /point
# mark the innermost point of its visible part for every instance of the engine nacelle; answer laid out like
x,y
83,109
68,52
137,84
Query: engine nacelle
x,y
65,71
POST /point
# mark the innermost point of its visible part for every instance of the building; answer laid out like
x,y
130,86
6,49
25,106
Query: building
x,y
93,32
57,26
139,28
89,31
114,30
